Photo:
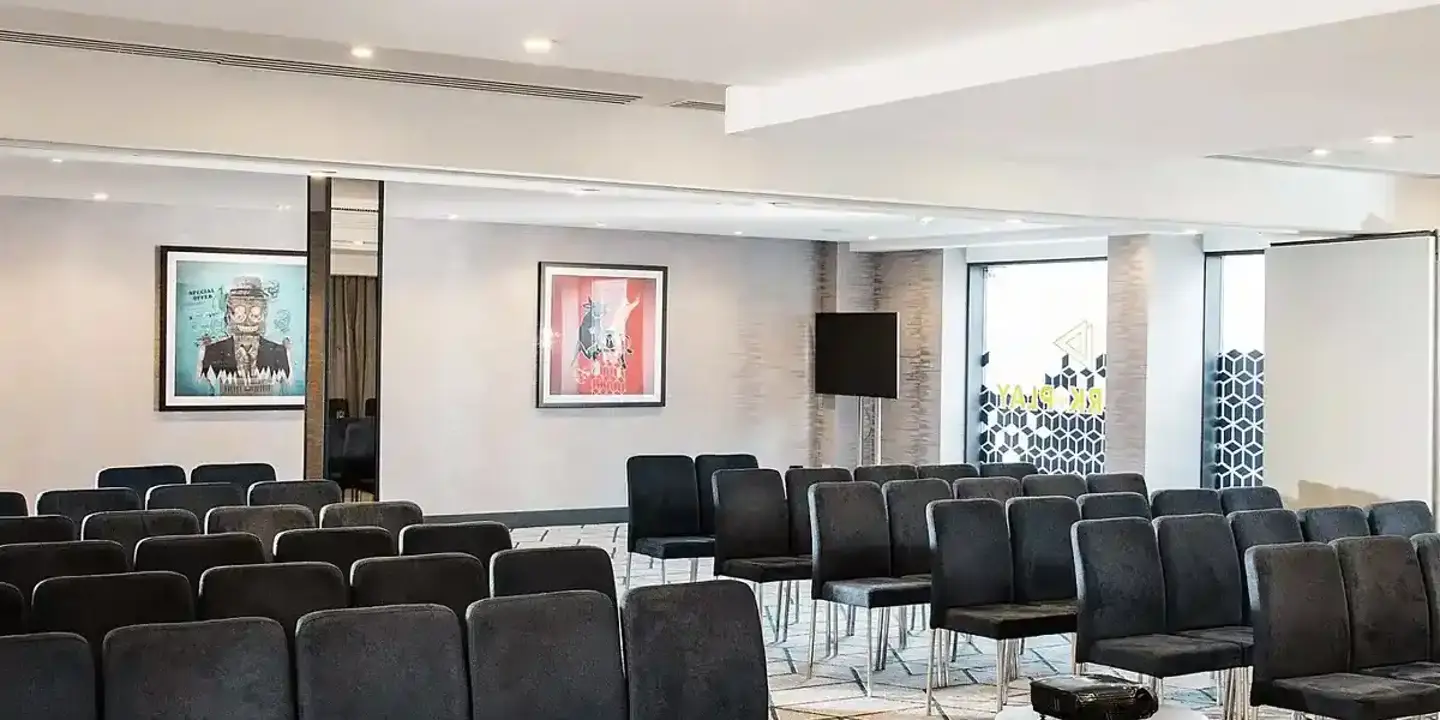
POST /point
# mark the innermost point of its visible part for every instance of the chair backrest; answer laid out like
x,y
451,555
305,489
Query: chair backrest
x,y
241,475
481,539
1254,497
1121,587
518,645
1298,612
198,498
1323,524
705,468
1427,552
1015,470
1405,518
997,487
695,650
313,494
140,478
1117,482
1185,501
1062,484
1261,527
1040,547
192,556
335,655
283,592
751,518
531,571
25,565
76,504
881,474
453,580
1106,505
948,471
905,502
12,610
1203,588
340,547
849,535
48,676
265,522
129,527
663,497
92,605
238,668
797,499
372,406
13,504
393,515
966,539
1385,593
37,528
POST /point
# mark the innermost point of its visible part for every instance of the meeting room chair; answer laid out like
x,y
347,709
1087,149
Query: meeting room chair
x,y
340,547
1117,482
1015,470
12,610
50,676
372,407
1040,549
13,504
1105,505
1427,553
1254,497
949,472
797,500
392,515
129,527
998,487
241,475
881,474
664,509
481,539
752,537
313,494
37,528
283,592
1386,595
1185,501
1405,518
453,580
905,502
337,408
192,555
76,504
1323,524
705,468
531,571
1261,527
1062,485
198,498
264,522
92,605
140,478
28,564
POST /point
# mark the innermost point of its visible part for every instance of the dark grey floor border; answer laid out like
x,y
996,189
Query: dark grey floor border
x,y
542,518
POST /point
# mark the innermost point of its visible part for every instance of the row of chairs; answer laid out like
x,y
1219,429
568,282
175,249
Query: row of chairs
x,y
198,498
141,478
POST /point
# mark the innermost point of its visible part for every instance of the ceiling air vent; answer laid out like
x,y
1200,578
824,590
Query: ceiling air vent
x,y
698,105
314,68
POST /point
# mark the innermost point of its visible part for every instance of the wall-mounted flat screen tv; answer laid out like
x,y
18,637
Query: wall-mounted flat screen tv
x,y
857,354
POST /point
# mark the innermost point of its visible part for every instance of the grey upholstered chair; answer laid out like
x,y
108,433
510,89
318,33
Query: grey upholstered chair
x,y
453,580
340,546
283,592
140,478
129,527
237,668
1015,470
1386,594
1303,641
48,676
1185,501
392,515
198,498
13,504
37,528
1261,527
705,468
263,522
881,474
949,471
530,571
694,651
12,610
664,504
1040,549
191,556
1117,482
1062,484
520,645
999,488
241,475
1254,497
1120,622
76,504
972,589
797,500
905,502
752,535
313,494
1105,505
337,651
1405,518
26,565
92,605
1204,590
1427,552
482,539
1323,524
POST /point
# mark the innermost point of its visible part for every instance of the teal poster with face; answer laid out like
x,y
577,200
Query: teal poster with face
x,y
234,327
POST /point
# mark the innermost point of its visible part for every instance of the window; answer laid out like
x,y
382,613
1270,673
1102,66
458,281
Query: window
x,y
1040,395
1235,343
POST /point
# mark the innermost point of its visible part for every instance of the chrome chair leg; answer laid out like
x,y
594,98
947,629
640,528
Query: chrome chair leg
x,y
904,627
629,559
850,621
694,569
1002,673
883,647
930,676
810,665
663,580
869,651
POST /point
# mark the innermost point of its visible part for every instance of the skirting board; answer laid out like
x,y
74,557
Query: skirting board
x,y
542,518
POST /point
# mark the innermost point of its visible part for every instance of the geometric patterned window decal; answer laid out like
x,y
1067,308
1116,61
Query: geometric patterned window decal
x,y
1057,424
1237,419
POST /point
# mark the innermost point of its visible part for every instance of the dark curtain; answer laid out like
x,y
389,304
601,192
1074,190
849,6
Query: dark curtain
x,y
354,327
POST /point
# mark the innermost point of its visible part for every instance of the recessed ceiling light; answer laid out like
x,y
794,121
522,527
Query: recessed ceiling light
x,y
57,161
282,207
1381,139
100,197
926,220
1191,231
599,224
1014,221
322,173
362,52
539,45
739,232
452,216
1320,152
873,237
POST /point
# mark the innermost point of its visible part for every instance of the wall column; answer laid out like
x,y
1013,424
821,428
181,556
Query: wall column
x,y
318,226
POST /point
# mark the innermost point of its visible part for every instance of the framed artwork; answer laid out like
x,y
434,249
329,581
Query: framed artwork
x,y
601,336
232,329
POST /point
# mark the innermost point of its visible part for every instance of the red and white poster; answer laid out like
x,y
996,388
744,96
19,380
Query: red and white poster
x,y
602,336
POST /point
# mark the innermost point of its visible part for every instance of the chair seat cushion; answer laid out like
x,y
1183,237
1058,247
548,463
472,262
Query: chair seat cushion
x,y
877,592
1007,621
764,570
1348,696
1421,672
667,548
1165,655
1238,634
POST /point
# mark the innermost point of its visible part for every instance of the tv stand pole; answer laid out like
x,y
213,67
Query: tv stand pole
x,y
869,432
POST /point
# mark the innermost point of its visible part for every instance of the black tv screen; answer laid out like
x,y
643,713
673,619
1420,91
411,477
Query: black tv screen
x,y
857,354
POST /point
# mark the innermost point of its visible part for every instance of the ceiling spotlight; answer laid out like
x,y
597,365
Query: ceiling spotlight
x,y
539,45
1014,221
1381,139
739,232
452,216
1191,231
600,225
360,52
100,197
873,237
282,207
926,220
1320,152
57,161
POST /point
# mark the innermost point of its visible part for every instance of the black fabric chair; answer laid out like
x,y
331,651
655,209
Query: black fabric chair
x,y
999,488
1185,501
283,592
337,408
797,499
372,407
1255,497
192,556
531,571
313,494
265,522
198,498
1303,646
129,527
664,506
1405,518
340,547
695,651
1015,470
1427,553
1062,485
1118,482
520,645
948,471
705,468
92,605
1323,524
1261,527
905,502
12,611
1105,505
454,580
881,474
26,565
1385,592
1040,549
1204,592
241,475
13,504
37,528
409,660
140,478
752,533
236,668
1121,619
392,515
48,676
481,539
76,504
